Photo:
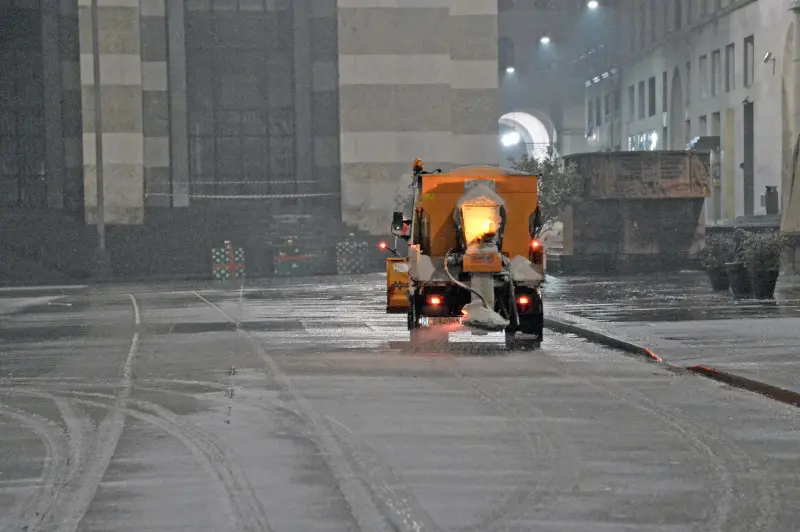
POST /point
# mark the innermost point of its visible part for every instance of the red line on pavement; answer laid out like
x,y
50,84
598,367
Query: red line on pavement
x,y
653,355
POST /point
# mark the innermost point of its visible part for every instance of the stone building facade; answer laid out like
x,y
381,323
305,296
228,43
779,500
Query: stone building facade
x,y
215,108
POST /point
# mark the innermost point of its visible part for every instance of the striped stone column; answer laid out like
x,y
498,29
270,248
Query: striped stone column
x,y
121,96
394,99
416,79
155,103
475,83
325,96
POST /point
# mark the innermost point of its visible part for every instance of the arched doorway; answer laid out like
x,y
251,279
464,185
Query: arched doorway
x,y
524,133
676,139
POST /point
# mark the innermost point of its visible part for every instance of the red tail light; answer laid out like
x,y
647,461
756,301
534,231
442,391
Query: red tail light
x,y
523,300
536,252
382,245
435,301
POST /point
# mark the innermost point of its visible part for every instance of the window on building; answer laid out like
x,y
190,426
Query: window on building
x,y
633,34
703,8
730,68
506,52
617,102
607,107
716,72
664,91
639,15
641,100
651,96
688,131
665,20
590,114
716,124
703,126
678,15
631,103
749,60
653,9
688,90
598,112
703,76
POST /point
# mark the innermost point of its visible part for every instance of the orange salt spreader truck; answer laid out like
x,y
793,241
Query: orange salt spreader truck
x,y
474,259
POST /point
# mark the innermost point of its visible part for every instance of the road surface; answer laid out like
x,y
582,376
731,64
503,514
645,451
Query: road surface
x,y
295,406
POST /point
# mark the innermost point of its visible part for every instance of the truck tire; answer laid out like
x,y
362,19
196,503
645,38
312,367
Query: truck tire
x,y
411,321
522,344
532,329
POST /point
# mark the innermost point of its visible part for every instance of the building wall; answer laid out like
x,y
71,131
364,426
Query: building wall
x,y
685,101
548,77
413,82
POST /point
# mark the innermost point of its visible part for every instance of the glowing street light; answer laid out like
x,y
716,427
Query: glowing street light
x,y
593,4
511,139
545,40
510,70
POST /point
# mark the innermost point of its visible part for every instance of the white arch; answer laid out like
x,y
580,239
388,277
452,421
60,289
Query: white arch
x,y
533,132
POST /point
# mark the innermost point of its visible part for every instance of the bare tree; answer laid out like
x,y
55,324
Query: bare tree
x,y
560,186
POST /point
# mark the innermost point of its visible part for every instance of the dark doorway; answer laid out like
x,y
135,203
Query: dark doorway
x,y
747,166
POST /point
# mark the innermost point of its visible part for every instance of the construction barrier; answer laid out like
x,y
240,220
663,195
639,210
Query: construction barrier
x,y
351,257
291,258
227,262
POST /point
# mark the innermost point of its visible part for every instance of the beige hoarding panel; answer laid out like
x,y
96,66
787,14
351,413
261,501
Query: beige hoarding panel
x,y
645,175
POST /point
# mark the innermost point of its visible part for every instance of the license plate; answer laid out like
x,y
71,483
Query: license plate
x,y
428,321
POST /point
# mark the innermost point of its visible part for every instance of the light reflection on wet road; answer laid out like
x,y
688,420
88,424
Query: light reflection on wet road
x,y
291,406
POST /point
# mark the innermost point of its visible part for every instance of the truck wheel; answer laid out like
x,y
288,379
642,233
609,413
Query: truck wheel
x,y
522,344
411,321
532,330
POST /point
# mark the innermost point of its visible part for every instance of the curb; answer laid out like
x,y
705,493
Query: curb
x,y
601,338
566,323
773,392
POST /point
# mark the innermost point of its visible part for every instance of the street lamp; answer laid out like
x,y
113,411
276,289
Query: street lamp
x,y
101,258
512,138
545,40
593,4
510,70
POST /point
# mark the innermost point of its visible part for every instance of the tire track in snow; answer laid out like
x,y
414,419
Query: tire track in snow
x,y
78,426
55,470
375,508
105,442
242,508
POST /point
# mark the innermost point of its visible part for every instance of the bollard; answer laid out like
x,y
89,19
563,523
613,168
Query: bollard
x,y
227,262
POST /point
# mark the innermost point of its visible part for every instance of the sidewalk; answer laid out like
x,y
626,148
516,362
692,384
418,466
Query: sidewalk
x,y
685,323
17,299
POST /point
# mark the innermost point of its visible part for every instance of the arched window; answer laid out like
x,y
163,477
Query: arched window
x,y
506,52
